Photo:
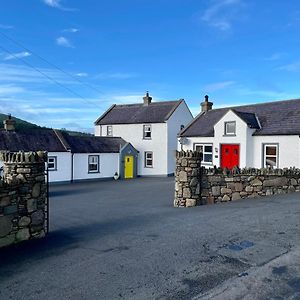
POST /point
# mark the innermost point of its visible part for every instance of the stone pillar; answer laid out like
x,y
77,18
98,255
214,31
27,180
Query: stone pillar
x,y
187,179
23,195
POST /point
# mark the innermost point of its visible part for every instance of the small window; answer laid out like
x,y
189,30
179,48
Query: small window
x,y
148,159
109,130
93,163
52,163
147,132
206,150
271,156
230,128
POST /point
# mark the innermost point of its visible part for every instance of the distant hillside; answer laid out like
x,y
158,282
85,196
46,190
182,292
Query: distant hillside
x,y
22,125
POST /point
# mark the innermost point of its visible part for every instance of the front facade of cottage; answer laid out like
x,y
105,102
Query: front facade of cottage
x,y
152,128
253,136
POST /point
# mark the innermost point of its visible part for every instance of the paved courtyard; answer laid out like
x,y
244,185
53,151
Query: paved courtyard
x,y
124,240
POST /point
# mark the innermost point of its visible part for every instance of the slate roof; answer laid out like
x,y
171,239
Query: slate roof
x,y
30,140
275,118
94,144
155,112
57,141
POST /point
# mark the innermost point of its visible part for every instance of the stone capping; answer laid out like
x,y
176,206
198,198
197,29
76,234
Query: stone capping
x,y
189,154
22,157
252,171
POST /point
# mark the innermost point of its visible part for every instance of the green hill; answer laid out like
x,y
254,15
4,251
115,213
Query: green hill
x,y
22,125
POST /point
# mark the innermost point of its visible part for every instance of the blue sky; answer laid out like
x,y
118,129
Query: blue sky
x,y
237,51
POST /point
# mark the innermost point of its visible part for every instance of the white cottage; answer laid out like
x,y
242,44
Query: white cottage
x,y
70,158
152,128
259,135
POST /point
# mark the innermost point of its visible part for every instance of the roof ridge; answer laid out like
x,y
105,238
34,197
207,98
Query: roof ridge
x,y
62,139
256,104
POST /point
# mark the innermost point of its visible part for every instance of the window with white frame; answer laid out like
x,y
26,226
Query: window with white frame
x,y
109,130
270,156
52,163
148,159
147,132
93,164
230,128
206,150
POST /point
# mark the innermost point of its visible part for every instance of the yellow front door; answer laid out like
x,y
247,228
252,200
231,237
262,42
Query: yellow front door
x,y
129,166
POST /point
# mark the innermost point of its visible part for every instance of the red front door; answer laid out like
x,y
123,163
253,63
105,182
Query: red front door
x,y
230,156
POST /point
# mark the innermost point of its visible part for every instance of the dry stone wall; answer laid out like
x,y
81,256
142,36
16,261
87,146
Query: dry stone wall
x,y
187,179
23,194
223,185
195,185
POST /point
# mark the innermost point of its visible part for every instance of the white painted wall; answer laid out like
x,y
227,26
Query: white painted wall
x,y
251,147
109,164
133,133
181,116
63,172
289,150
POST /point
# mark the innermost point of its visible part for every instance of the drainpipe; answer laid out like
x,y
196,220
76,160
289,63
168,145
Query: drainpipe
x,y
72,167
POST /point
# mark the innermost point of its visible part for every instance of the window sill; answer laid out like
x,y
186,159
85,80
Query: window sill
x,y
147,139
148,167
93,172
228,135
51,170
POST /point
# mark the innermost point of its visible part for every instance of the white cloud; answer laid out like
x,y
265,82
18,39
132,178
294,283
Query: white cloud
x,y
218,86
81,74
57,4
293,67
4,26
64,42
274,56
117,75
16,55
221,14
71,30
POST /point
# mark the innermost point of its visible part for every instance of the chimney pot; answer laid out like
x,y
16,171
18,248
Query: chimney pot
x,y
206,105
147,99
9,124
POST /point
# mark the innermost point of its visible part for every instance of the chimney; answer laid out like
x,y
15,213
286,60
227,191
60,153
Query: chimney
x,y
147,99
206,105
9,124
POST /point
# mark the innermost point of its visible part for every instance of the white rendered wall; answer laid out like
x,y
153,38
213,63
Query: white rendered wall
x,y
181,116
289,150
63,167
133,133
109,164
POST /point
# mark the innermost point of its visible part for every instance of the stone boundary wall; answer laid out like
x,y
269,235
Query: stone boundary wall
x,y
222,185
23,194
187,179
196,185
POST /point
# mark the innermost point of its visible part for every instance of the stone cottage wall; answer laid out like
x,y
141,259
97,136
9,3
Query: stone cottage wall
x,y
23,194
187,179
221,185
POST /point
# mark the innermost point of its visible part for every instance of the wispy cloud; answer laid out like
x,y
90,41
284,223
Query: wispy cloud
x,y
57,4
292,67
218,86
221,13
81,74
274,56
5,26
70,30
117,75
64,42
16,55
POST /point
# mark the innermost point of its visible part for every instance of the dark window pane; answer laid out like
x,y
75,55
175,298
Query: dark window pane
x,y
207,148
270,150
207,158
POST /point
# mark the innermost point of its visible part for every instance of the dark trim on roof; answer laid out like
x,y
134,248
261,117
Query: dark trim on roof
x,y
104,114
62,139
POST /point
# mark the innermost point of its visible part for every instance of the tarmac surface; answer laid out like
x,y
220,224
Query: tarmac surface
x,y
124,240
